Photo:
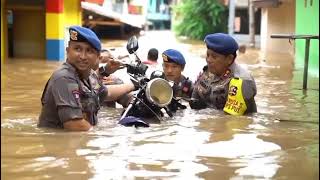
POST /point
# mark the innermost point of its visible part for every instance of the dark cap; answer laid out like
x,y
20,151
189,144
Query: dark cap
x,y
82,34
221,43
174,56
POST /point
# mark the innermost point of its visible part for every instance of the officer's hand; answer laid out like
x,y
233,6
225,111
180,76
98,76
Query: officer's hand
x,y
85,116
122,56
105,58
113,66
108,80
197,104
139,82
175,105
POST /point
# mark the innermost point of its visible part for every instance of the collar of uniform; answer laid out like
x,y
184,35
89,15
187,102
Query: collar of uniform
x,y
229,72
211,76
182,78
73,69
232,67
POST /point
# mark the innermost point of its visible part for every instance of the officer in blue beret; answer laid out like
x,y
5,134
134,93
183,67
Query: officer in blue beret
x,y
173,65
223,84
72,96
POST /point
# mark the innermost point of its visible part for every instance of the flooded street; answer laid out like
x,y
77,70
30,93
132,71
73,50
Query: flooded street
x,y
281,141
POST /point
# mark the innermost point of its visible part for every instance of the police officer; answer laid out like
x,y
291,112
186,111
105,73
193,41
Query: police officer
x,y
223,84
72,96
173,65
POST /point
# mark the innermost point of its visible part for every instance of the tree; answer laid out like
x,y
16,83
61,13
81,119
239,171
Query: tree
x,y
196,18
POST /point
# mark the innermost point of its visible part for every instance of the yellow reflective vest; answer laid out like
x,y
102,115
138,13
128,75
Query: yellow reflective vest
x,y
235,104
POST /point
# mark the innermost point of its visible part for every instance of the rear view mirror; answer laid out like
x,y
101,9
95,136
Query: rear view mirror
x,y
132,45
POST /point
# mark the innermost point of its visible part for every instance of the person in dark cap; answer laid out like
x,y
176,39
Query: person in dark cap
x,y
72,96
223,84
173,65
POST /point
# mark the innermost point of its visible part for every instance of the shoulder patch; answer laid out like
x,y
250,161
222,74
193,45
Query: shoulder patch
x,y
76,94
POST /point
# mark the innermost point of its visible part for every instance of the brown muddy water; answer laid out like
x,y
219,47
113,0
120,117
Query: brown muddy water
x,y
281,141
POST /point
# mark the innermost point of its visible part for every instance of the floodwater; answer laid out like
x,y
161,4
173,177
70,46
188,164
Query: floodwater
x,y
281,141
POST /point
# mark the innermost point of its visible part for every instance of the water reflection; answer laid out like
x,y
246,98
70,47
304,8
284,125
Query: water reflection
x,y
32,154
204,144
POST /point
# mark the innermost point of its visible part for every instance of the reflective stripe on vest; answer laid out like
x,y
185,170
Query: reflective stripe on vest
x,y
235,104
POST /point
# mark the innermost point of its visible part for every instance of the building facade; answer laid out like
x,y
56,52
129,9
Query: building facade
x,y
295,17
307,23
37,28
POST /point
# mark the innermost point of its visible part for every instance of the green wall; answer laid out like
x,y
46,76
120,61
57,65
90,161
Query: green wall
x,y
307,22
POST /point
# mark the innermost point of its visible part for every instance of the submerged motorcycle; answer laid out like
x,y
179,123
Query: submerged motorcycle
x,y
153,96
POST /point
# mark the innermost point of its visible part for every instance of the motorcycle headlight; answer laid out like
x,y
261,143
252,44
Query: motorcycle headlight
x,y
159,92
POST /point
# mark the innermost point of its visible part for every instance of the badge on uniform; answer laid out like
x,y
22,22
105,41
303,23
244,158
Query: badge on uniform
x,y
73,35
165,57
97,86
233,90
226,74
185,89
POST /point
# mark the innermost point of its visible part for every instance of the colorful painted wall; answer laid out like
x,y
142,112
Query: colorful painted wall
x,y
47,37
54,30
307,22
60,14
72,12
72,16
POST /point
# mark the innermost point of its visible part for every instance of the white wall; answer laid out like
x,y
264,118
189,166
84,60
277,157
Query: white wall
x,y
280,20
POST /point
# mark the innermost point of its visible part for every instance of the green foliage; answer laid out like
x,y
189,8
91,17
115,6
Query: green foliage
x,y
196,18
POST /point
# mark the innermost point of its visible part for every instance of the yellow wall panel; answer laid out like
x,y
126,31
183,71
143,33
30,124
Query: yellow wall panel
x,y
54,26
72,13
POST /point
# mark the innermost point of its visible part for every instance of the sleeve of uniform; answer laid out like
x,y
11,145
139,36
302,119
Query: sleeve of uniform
x,y
194,94
195,102
191,89
249,89
66,95
103,90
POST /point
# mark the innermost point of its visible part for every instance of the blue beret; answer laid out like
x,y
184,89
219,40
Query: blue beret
x,y
82,34
221,43
171,55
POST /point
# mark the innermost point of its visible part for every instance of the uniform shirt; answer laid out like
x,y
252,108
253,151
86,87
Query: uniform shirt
x,y
213,90
183,88
66,97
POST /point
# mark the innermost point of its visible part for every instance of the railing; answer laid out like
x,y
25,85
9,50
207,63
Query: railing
x,y
306,55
